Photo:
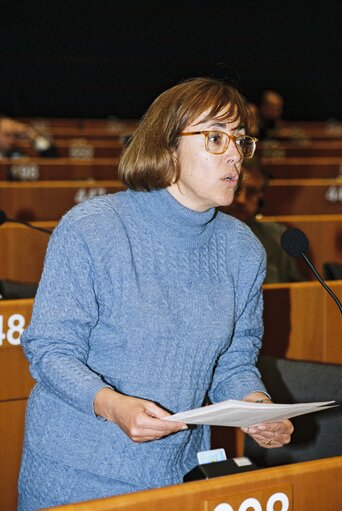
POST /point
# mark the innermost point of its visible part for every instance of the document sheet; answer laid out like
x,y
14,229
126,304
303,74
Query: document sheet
x,y
242,414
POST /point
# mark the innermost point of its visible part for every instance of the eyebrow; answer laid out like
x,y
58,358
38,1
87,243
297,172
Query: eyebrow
x,y
222,125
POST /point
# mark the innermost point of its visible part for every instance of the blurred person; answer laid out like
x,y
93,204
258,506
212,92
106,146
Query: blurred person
x,y
247,206
12,131
270,113
150,303
253,123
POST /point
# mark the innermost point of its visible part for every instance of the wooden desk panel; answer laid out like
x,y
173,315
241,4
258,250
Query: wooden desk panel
x,y
49,200
15,379
80,148
302,322
22,251
12,418
306,132
303,197
50,169
15,386
110,132
85,128
310,486
306,149
302,168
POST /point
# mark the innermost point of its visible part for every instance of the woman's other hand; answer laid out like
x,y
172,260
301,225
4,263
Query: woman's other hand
x,y
138,418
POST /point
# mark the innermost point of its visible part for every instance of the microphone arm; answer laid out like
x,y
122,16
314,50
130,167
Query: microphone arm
x,y
27,224
327,288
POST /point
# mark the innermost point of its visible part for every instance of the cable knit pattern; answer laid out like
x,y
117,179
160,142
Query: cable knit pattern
x,y
155,300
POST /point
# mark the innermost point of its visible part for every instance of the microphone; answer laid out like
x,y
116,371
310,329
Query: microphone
x,y
295,243
4,218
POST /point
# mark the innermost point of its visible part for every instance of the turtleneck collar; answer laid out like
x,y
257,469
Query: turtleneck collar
x,y
175,217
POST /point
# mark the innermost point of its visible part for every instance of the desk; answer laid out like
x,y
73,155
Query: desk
x,y
303,197
15,385
303,322
308,486
22,251
306,148
308,131
51,169
49,200
294,168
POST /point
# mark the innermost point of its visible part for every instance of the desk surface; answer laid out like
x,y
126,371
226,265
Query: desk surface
x,y
309,486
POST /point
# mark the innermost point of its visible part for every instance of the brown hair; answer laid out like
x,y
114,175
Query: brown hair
x,y
148,161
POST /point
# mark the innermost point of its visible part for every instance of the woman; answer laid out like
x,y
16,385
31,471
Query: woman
x,y
150,302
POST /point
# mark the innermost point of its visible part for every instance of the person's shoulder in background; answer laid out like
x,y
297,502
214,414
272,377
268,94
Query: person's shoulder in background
x,y
280,266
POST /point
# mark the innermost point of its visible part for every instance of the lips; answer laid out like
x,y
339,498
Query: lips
x,y
231,178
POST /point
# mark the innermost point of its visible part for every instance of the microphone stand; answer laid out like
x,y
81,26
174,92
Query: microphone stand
x,y
27,224
327,288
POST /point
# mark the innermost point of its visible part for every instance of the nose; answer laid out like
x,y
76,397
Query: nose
x,y
232,153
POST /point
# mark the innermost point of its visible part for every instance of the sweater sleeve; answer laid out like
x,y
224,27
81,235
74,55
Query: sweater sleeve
x,y
56,343
236,374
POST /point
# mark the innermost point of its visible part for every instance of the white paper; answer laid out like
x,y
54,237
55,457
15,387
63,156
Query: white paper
x,y
243,414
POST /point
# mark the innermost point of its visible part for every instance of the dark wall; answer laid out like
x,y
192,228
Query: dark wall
x,y
95,59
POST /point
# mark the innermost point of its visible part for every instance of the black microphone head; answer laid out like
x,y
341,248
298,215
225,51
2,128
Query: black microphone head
x,y
3,217
294,242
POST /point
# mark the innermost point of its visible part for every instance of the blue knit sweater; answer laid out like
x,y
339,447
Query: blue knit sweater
x,y
155,300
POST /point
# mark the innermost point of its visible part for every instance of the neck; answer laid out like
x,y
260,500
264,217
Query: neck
x,y
184,200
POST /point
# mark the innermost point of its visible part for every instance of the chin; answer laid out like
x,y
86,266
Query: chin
x,y
226,201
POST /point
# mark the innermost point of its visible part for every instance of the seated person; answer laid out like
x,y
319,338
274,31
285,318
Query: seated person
x,y
270,113
12,131
254,120
246,207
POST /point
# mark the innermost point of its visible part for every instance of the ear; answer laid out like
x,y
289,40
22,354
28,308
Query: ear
x,y
174,160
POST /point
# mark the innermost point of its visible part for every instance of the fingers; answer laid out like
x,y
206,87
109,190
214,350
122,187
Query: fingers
x,y
271,434
146,428
138,418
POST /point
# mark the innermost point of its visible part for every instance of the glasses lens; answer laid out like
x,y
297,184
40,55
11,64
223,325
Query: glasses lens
x,y
217,142
246,146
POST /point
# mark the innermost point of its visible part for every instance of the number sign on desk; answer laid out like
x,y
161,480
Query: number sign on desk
x,y
269,499
11,328
14,318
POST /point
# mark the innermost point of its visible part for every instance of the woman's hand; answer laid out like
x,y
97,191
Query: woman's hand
x,y
268,434
138,418
271,434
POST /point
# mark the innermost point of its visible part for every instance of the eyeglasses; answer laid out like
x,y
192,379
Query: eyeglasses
x,y
217,142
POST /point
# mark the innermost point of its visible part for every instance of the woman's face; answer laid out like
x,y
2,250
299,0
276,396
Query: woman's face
x,y
207,180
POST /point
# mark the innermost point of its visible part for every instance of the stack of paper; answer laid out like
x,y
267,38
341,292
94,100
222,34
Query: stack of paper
x,y
242,413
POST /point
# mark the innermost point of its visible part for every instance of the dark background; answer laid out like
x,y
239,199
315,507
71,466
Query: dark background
x,y
111,58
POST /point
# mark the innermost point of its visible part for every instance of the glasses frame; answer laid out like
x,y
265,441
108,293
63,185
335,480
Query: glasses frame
x,y
229,138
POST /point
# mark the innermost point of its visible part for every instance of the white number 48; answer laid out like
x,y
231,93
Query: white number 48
x,y
15,327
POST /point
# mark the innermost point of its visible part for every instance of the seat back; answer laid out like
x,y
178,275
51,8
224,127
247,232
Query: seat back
x,y
316,435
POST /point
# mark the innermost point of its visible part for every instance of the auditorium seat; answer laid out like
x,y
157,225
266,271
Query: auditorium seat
x,y
332,271
10,290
